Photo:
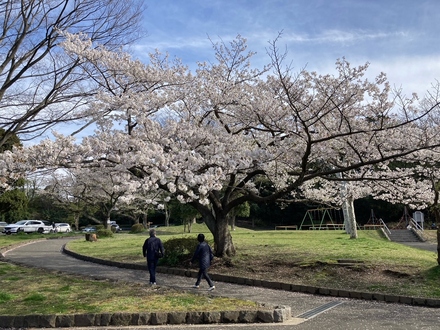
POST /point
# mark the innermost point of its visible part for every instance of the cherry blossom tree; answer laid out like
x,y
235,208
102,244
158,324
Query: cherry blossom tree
x,y
108,189
39,85
210,137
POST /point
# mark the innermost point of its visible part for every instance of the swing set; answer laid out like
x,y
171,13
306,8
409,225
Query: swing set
x,y
322,218
373,222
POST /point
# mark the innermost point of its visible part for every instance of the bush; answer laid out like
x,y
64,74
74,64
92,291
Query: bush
x,y
182,245
137,228
178,251
104,233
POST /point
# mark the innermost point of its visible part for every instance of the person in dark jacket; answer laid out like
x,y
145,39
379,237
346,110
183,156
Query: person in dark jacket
x,y
153,250
204,254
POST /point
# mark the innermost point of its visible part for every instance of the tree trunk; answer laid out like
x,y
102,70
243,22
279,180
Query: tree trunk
x,y
348,210
352,217
144,217
345,205
346,216
232,222
187,224
436,212
435,207
76,220
438,244
107,223
219,227
167,216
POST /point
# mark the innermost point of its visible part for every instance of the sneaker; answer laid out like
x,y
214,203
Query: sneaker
x,y
152,283
195,286
211,288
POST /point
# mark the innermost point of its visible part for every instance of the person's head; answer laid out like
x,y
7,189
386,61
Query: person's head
x,y
201,238
152,232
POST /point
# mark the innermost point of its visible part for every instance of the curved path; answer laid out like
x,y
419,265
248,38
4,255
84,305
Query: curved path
x,y
309,312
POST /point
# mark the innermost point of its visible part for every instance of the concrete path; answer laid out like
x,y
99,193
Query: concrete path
x,y
421,245
309,311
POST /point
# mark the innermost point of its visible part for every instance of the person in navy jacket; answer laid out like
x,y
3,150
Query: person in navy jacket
x,y
153,250
204,254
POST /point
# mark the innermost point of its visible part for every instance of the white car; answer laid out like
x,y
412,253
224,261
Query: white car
x,y
29,226
89,230
116,226
62,227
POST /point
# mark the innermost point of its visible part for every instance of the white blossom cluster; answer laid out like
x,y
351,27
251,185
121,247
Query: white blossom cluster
x,y
213,136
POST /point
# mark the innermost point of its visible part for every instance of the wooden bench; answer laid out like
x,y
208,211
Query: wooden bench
x,y
293,227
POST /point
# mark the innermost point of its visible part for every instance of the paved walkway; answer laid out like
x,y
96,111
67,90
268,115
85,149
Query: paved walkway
x,y
309,311
422,246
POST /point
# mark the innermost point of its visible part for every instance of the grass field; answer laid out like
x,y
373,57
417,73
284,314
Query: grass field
x,y
301,257
25,291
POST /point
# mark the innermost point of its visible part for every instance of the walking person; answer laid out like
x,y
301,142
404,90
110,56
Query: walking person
x,y
204,254
153,250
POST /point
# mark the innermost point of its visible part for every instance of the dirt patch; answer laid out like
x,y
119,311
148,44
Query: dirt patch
x,y
395,274
354,276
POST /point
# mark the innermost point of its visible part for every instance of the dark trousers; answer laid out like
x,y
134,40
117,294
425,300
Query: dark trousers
x,y
152,269
203,273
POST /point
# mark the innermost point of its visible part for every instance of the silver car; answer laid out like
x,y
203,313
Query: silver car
x,y
62,227
28,226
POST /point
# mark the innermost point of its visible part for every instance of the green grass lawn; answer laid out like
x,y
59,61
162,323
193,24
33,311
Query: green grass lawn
x,y
305,246
25,291
301,257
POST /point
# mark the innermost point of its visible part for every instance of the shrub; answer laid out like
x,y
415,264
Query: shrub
x,y
137,228
104,233
181,245
178,251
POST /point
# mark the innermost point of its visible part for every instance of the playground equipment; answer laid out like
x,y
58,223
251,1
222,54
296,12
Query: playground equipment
x,y
322,218
373,222
406,220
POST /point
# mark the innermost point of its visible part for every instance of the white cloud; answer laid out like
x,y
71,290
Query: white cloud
x,y
411,73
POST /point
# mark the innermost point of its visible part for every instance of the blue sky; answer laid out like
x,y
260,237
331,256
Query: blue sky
x,y
398,37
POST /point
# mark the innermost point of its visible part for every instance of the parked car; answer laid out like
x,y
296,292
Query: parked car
x,y
49,224
62,227
29,226
115,226
89,230
2,226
